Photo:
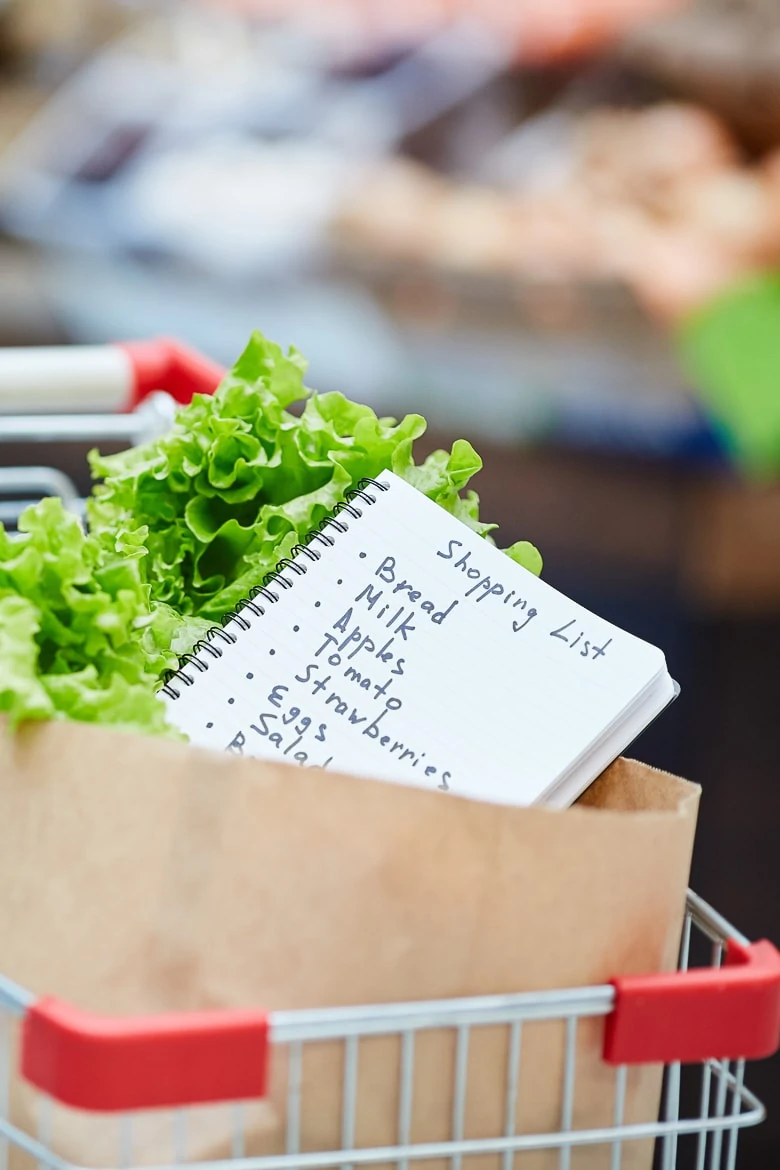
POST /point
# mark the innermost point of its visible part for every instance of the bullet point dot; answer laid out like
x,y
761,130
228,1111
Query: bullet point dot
x,y
271,651
250,675
231,700
209,725
340,581
363,556
295,629
317,604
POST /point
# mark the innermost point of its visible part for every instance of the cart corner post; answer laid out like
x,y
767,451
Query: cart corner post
x,y
730,1012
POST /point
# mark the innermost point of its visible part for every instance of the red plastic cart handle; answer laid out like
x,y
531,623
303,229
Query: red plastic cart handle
x,y
110,1064
166,364
690,1016
116,1064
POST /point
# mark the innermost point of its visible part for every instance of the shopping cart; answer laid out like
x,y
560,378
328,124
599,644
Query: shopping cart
x,y
702,1023
712,1018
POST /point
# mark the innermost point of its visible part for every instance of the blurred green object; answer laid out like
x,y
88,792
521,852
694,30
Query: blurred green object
x,y
731,351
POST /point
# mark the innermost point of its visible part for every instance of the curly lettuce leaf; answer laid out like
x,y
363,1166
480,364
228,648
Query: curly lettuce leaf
x,y
525,554
79,638
22,695
240,479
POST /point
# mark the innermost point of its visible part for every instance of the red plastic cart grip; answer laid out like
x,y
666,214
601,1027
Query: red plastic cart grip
x,y
110,1064
166,364
729,1012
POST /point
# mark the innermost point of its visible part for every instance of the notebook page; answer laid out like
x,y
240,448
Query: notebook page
x,y
413,651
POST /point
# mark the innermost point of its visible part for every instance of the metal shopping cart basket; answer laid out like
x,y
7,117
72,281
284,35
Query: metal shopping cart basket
x,y
712,1019
702,1023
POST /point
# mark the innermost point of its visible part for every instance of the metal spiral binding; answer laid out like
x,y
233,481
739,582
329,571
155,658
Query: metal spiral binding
x,y
287,565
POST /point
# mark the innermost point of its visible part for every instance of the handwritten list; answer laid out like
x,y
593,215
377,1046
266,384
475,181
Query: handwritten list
x,y
414,651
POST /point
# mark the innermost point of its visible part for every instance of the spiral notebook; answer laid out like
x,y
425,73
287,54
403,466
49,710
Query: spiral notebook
x,y
397,644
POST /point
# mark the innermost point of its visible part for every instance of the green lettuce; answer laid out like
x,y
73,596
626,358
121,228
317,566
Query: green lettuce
x,y
241,478
79,638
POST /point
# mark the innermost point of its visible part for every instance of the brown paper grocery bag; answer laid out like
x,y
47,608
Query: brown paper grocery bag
x,y
144,876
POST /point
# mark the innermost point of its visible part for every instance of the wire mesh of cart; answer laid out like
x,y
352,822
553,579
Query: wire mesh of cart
x,y
705,1021
701,1023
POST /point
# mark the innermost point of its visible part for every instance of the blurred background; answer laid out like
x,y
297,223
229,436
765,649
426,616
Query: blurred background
x,y
550,226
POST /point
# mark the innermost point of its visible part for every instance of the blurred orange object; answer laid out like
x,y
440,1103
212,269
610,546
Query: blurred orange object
x,y
541,30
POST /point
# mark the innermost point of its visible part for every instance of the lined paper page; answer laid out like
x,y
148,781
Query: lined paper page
x,y
414,651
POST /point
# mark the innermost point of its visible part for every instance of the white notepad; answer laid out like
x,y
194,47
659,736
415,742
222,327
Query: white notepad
x,y
398,644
